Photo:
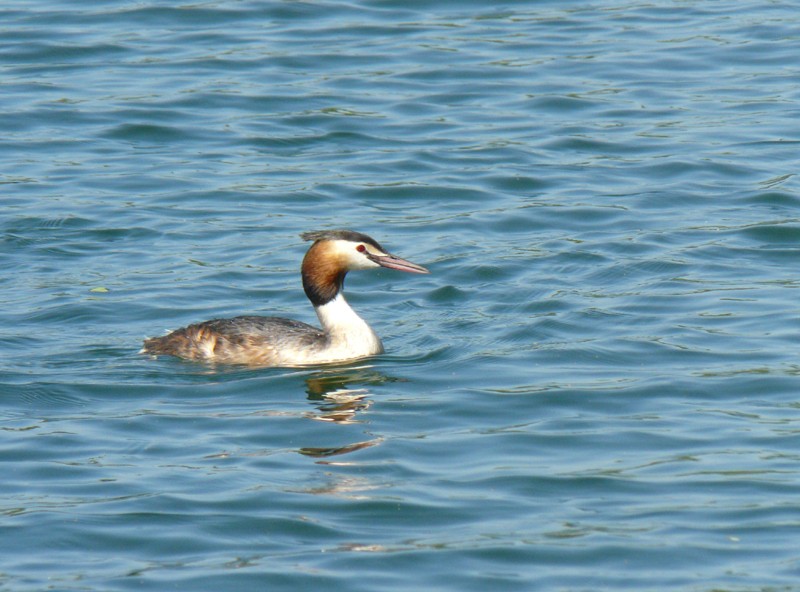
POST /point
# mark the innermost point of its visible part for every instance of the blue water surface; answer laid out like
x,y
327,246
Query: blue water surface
x,y
596,388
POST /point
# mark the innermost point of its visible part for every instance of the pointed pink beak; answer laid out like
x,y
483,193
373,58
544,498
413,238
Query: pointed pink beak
x,y
392,262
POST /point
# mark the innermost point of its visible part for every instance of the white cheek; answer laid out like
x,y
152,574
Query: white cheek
x,y
355,259
360,261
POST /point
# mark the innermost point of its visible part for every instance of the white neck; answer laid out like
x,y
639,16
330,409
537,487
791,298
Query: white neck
x,y
347,332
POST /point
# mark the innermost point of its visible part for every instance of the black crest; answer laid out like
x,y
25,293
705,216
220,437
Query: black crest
x,y
348,235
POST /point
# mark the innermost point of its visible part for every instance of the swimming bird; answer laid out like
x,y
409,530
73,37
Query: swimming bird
x,y
275,341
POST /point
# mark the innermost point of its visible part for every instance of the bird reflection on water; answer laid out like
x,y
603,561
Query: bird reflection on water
x,y
329,391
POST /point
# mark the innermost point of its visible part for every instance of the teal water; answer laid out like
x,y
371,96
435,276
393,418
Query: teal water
x,y
597,387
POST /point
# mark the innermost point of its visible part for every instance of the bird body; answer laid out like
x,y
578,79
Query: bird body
x,y
275,341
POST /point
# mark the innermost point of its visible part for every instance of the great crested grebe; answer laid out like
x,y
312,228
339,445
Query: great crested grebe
x,y
274,341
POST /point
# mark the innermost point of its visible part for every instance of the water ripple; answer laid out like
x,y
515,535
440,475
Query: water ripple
x,y
594,389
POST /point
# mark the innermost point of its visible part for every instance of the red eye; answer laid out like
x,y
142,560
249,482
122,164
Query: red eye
x,y
361,248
